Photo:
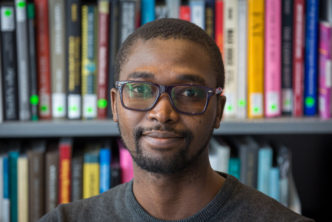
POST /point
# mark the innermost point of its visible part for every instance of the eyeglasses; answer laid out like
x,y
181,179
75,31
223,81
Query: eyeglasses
x,y
187,99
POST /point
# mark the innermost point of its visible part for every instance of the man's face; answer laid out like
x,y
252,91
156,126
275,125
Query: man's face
x,y
162,140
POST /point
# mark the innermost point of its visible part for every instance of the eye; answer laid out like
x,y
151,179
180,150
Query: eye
x,y
140,88
192,92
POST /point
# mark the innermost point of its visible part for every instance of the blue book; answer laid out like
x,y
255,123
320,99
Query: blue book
x,y
274,189
12,164
311,58
147,11
197,12
264,167
4,211
105,169
234,167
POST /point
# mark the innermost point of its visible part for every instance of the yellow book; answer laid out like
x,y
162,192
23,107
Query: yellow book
x,y
91,172
22,178
255,58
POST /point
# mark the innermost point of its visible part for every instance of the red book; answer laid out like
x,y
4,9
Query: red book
x,y
65,150
219,24
43,59
102,77
298,56
185,12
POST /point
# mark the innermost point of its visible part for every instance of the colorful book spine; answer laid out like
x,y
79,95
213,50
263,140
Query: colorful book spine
x,y
22,59
325,70
105,169
197,12
298,56
272,58
274,189
147,11
1,97
219,25
65,150
184,12
43,59
173,8
264,168
5,210
91,173
89,61
255,58
1,185
234,167
103,52
210,17
126,163
22,174
287,54
241,109
33,82
58,58
311,58
9,63
231,57
13,183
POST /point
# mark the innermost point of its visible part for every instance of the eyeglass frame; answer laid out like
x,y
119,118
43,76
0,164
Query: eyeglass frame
x,y
167,89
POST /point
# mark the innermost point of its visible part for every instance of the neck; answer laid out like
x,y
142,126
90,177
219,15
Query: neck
x,y
168,196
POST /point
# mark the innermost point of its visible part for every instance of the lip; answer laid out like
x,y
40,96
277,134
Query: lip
x,y
162,139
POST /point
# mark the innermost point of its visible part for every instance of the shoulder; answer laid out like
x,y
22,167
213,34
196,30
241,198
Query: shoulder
x,y
96,208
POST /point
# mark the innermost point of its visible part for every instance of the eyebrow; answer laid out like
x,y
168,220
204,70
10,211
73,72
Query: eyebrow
x,y
141,75
191,78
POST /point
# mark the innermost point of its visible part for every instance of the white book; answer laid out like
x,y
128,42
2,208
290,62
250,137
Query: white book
x,y
173,8
22,179
219,154
197,12
241,109
231,56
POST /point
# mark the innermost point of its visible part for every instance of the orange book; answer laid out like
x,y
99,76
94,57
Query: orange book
x,y
65,150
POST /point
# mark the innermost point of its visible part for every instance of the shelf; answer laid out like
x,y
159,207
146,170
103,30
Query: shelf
x,y
95,128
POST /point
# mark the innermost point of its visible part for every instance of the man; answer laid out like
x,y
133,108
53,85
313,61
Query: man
x,y
167,101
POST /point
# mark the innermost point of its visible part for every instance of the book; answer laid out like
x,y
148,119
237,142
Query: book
x,y
197,12
36,161
219,25
89,61
13,183
284,165
160,9
22,59
184,11
115,173
64,183
43,59
9,62
77,173
91,171
126,163
51,176
173,8
311,58
287,7
32,59
255,57
22,175
105,168
241,106
325,70
147,11
127,19
102,64
230,57
298,56
1,97
5,209
210,17
265,154
272,59
234,167
73,58
58,58
219,154
274,189
2,156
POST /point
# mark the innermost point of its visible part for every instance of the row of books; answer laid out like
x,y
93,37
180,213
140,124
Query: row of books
x,y
35,178
256,163
65,68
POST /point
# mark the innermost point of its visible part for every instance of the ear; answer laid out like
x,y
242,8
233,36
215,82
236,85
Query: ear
x,y
220,110
114,104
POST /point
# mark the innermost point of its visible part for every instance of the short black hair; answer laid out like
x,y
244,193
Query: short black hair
x,y
169,28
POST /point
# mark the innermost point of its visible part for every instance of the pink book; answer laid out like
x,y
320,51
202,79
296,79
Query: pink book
x,y
325,59
126,163
272,58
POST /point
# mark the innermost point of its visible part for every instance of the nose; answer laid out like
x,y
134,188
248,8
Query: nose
x,y
163,111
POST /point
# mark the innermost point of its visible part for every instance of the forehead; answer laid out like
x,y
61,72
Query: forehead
x,y
168,60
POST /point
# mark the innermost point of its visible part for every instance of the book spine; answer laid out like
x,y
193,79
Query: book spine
x,y
325,69
147,11
127,19
22,58
234,167
173,8
230,57
185,12
160,10
13,182
9,72
311,58
91,174
43,59
1,97
274,189
264,167
73,58
209,17
255,58
51,180
272,58
1,186
105,169
77,175
219,25
23,189
89,62
197,12
241,109
298,56
286,61
126,163
6,200
65,150
33,81
103,51
58,67
219,156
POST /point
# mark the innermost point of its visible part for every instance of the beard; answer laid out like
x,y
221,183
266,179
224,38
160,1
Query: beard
x,y
175,163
